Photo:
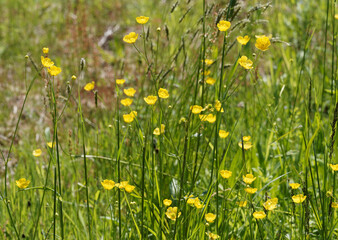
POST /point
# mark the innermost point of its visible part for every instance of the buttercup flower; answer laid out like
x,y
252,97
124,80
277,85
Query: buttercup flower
x,y
22,183
206,73
54,70
247,145
51,144
89,86
334,205
294,185
334,167
73,77
129,188
131,37
245,62
46,62
167,202
130,92
243,40
246,138
210,118
250,190
196,109
120,81
150,100
128,118
218,106
171,213
142,19
271,204
225,173
213,236
208,61
259,215
126,102
197,203
122,184
249,178
298,198
163,93
242,203
210,217
223,134
223,25
37,152
191,201
108,184
45,50
157,130
210,80
133,114
262,43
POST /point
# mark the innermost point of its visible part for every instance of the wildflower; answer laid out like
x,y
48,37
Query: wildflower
x,y
73,77
243,40
128,118
262,43
197,203
218,106
259,215
182,120
245,62
223,25
167,202
329,193
225,173
208,61
250,190
206,73
45,50
294,185
298,198
37,152
210,118
223,134
158,29
213,236
247,145
142,19
249,178
271,204
54,70
334,205
163,93
246,138
122,184
210,80
210,217
131,37
150,100
157,130
120,81
336,16
334,167
126,102
89,86
242,203
196,109
22,183
191,201
130,92
133,114
129,188
108,184
51,144
171,213
46,62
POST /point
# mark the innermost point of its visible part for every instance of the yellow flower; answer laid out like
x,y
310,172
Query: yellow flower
x,y
210,118
334,205
157,130
108,184
246,138
171,213
262,43
271,204
210,217
250,190
208,61
22,183
196,109
210,80
334,167
259,215
150,100
142,19
46,62
245,62
120,81
298,198
45,50
197,203
242,203
191,201
243,40
89,86
167,202
122,184
128,118
247,145
336,16
206,73
130,92
133,114
294,185
225,173
218,106
37,152
73,77
131,37
163,93
223,25
129,188
223,134
54,70
249,178
213,236
126,102
51,144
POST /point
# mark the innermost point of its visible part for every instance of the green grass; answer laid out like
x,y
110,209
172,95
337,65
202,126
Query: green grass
x,y
287,103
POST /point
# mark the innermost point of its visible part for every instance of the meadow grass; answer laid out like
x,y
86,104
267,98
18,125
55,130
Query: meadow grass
x,y
170,127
